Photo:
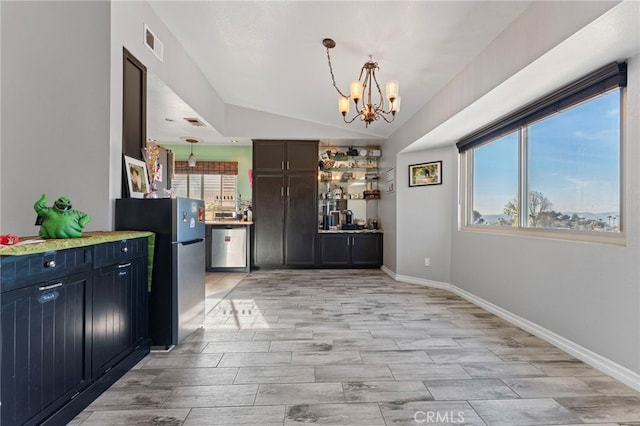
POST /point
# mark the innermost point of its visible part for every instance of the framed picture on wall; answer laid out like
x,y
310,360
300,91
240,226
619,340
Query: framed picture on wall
x,y
137,177
425,174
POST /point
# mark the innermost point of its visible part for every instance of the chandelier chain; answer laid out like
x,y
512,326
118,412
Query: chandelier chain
x,y
333,78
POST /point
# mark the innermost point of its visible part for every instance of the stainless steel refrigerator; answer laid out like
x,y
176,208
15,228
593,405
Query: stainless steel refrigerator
x,y
176,299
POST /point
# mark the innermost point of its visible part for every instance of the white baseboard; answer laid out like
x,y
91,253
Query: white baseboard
x,y
611,368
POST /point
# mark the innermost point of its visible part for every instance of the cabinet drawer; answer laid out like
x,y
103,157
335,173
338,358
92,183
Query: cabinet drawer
x,y
119,251
21,271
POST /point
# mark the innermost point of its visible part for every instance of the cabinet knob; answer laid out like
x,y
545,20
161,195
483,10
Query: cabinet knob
x,y
125,249
50,264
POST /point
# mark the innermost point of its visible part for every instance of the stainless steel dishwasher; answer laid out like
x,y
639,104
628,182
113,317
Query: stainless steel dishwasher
x,y
229,247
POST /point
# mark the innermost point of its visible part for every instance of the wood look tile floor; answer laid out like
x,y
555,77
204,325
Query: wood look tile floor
x,y
353,347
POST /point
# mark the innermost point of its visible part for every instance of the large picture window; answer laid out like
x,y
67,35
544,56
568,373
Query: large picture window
x,y
550,169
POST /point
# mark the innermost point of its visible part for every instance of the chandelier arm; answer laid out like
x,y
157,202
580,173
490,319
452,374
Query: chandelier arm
x,y
350,121
380,106
393,117
333,78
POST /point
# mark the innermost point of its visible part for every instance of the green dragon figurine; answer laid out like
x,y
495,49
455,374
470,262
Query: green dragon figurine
x,y
59,221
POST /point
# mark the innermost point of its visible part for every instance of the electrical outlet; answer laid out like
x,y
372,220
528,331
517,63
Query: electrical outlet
x,y
427,261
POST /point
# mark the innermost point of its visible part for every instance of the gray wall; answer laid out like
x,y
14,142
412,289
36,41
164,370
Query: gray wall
x,y
425,218
587,293
55,110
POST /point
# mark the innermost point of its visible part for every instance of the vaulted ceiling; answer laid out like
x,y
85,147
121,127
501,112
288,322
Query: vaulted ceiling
x,y
268,55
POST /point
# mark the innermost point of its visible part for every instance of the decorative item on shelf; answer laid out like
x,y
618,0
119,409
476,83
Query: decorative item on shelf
x,y
352,152
363,88
346,176
325,176
371,176
363,152
336,155
327,164
375,153
59,221
372,194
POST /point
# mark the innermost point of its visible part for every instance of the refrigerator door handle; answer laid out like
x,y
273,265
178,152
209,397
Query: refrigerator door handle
x,y
196,241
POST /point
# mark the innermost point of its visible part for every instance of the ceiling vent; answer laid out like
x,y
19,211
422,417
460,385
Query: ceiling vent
x,y
153,43
195,122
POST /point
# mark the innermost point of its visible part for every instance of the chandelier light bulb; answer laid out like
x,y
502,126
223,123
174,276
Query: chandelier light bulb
x,y
343,105
392,89
356,90
395,105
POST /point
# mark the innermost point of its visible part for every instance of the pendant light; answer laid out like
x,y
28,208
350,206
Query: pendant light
x,y
191,161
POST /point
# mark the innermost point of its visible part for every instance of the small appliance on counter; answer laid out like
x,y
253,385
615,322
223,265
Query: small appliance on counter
x,y
348,224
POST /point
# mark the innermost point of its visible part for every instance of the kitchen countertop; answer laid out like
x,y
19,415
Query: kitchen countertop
x,y
350,231
227,222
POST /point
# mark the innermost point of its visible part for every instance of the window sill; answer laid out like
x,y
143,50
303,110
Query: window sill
x,y
617,239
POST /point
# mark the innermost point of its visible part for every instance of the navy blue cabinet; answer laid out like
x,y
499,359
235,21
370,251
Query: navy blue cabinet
x,y
118,309
44,348
73,322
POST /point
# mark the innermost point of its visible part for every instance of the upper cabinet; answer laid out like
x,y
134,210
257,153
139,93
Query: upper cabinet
x,y
280,156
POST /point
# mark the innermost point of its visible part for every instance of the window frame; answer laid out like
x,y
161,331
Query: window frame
x,y
466,162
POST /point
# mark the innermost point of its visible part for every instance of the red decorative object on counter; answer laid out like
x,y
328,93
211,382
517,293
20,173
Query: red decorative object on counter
x,y
9,240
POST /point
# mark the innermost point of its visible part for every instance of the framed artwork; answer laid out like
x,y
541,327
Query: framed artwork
x,y
425,174
137,177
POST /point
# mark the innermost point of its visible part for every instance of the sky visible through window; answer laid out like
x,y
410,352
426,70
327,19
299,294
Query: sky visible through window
x,y
574,161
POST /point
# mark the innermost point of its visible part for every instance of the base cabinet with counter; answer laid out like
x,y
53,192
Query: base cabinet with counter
x,y
350,249
347,213
73,322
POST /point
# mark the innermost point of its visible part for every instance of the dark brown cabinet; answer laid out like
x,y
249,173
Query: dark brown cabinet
x,y
285,156
284,203
350,250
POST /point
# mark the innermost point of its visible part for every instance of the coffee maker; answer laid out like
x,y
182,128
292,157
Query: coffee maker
x,y
348,217
348,220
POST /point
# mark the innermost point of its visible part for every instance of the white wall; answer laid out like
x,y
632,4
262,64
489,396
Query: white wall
x,y
55,110
62,102
177,71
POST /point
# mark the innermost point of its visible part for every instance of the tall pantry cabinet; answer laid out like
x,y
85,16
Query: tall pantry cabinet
x,y
285,187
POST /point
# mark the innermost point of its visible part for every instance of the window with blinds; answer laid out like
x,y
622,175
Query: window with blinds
x,y
218,190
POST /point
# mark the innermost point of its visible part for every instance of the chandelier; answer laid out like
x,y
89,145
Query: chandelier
x,y
363,89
